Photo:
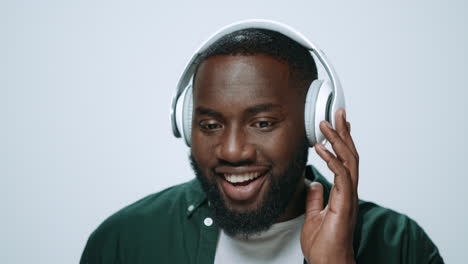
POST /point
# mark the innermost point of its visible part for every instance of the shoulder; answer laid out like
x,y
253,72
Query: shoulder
x,y
390,237
143,222
152,207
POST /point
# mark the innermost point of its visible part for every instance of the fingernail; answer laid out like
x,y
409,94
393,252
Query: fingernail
x,y
319,147
328,124
313,186
323,122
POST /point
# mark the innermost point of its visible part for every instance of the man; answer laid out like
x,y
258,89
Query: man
x,y
254,200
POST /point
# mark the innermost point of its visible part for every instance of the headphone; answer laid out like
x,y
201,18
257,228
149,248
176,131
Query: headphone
x,y
323,99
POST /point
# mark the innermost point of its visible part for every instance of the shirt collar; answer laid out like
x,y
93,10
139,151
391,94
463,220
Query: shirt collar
x,y
195,196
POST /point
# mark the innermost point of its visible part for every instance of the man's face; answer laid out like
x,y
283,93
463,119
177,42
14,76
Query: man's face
x,y
248,142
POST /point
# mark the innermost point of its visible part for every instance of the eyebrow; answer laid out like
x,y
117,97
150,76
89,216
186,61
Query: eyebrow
x,y
207,111
262,108
251,110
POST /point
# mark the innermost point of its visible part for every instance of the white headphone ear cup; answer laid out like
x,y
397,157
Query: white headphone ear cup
x,y
179,107
309,111
187,116
322,109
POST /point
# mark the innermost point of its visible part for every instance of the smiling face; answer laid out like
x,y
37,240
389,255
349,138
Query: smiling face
x,y
248,141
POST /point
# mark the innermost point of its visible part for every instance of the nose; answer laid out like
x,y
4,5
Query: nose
x,y
234,148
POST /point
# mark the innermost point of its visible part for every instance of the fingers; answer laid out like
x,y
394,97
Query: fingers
x,y
344,128
343,145
314,201
342,179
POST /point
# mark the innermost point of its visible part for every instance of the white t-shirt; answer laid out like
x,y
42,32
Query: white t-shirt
x,y
279,244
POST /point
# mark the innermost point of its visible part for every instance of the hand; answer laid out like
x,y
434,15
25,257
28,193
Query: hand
x,y
327,234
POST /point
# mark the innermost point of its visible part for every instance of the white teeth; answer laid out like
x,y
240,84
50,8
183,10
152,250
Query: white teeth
x,y
235,178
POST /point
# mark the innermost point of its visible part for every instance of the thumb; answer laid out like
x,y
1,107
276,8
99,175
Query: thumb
x,y
314,201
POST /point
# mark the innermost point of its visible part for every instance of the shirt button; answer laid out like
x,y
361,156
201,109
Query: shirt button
x,y
208,221
190,208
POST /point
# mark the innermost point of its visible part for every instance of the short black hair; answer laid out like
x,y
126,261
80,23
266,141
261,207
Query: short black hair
x,y
254,41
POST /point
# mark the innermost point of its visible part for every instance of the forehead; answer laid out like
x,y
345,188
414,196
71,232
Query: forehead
x,y
246,79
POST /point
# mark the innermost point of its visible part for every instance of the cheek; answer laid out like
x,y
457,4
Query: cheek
x,y
202,150
281,146
291,137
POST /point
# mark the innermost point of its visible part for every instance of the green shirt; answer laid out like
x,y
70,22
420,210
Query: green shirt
x,y
175,226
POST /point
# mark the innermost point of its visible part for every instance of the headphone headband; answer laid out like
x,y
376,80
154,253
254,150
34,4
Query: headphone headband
x,y
337,92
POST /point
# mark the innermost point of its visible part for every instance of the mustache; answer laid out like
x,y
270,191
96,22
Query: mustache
x,y
243,163
225,163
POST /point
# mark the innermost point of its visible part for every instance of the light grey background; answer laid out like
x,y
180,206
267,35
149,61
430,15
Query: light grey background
x,y
86,88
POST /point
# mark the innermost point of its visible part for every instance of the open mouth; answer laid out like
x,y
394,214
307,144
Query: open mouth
x,y
242,183
242,179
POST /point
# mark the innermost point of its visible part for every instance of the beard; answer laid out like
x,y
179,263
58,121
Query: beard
x,y
274,203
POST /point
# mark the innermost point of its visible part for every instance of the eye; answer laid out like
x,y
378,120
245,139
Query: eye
x,y
209,125
263,124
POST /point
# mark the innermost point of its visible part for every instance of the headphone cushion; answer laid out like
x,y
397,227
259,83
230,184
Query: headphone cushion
x,y
323,110
310,111
187,116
